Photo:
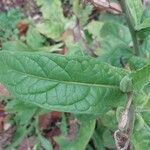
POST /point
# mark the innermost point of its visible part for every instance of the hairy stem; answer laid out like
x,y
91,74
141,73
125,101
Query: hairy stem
x,y
131,27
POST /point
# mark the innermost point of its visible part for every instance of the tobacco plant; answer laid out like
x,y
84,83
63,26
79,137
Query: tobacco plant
x,y
103,79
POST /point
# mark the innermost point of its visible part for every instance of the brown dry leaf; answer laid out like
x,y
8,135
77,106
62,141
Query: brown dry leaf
x,y
115,8
48,123
47,119
22,27
104,5
2,118
28,143
3,91
6,137
73,129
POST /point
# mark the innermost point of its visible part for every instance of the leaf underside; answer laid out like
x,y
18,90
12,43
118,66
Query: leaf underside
x,y
71,84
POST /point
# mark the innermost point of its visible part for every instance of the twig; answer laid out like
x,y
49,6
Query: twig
x,y
131,27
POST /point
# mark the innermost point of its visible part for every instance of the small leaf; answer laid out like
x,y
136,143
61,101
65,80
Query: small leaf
x,y
141,77
34,39
109,120
126,84
145,22
108,139
54,22
81,11
50,29
94,27
145,48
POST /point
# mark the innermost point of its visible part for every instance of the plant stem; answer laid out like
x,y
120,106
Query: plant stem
x,y
131,27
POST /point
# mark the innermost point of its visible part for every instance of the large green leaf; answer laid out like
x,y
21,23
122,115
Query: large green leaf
x,y
72,84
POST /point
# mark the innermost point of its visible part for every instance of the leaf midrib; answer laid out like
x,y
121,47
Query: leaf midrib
x,y
68,82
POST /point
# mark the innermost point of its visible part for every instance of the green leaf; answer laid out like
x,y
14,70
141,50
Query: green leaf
x,y
136,10
72,84
141,134
34,39
144,33
50,29
8,22
108,139
94,27
54,22
136,63
44,142
109,120
115,54
112,30
23,111
141,101
81,11
145,48
141,77
15,46
136,80
126,84
108,17
97,139
145,22
115,39
83,135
